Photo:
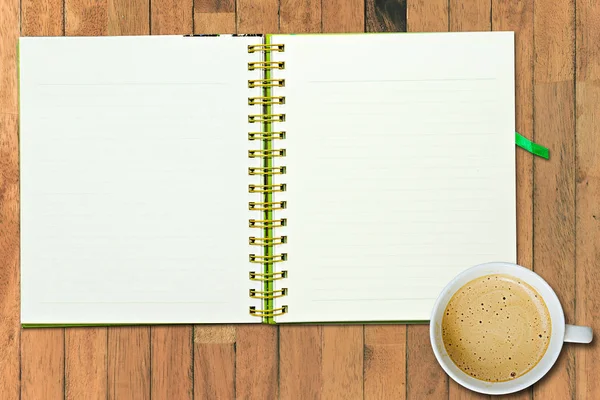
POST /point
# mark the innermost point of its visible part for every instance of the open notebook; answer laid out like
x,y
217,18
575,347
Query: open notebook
x,y
248,179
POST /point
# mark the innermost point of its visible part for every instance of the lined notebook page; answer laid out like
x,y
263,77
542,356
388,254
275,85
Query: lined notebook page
x,y
401,169
134,179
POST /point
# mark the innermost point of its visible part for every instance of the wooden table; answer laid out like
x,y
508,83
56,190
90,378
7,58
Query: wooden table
x,y
558,104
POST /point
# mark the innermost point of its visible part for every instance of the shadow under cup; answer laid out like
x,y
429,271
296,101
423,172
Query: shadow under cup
x,y
538,371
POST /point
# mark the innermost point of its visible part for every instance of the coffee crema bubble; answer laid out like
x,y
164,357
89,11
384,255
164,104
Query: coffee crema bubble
x,y
496,328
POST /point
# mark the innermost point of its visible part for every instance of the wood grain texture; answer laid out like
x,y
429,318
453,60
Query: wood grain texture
x,y
385,362
256,368
300,16
171,17
86,17
343,15
9,34
211,16
587,194
42,364
517,16
129,363
10,332
42,350
300,360
470,15
554,190
427,15
257,16
10,384
385,16
214,362
43,17
86,363
425,379
215,6
342,365
172,363
128,17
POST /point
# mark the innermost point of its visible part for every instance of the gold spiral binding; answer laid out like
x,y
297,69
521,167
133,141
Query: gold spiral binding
x,y
266,170
268,294
266,187
273,276
266,153
280,187
267,206
265,65
266,83
266,118
267,223
253,48
260,241
266,135
268,259
262,100
269,313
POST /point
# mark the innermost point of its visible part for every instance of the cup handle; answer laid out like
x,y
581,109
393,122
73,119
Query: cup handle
x,y
578,334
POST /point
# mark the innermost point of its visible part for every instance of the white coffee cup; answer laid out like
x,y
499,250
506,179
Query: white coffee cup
x,y
561,332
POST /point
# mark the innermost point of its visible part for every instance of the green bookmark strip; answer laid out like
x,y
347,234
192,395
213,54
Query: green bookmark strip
x,y
531,147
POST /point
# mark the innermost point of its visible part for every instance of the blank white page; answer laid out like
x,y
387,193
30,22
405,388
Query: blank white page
x,y
134,180
400,169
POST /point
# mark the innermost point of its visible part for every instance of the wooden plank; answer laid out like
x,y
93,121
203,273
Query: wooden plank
x,y
171,17
86,363
385,15
214,362
42,364
128,17
214,16
554,191
42,350
256,369
342,366
427,16
517,16
300,16
171,361
128,363
257,16
44,17
10,332
468,15
385,362
587,195
343,16
300,358
425,378
86,17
